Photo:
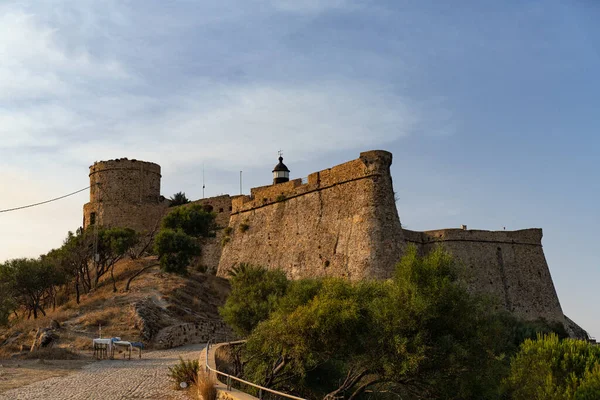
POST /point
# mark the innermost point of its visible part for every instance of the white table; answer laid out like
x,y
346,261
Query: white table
x,y
102,346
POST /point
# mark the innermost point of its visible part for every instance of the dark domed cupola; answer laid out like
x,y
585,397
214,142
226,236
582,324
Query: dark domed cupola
x,y
281,173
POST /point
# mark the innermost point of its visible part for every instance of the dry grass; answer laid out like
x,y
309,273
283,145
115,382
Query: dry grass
x,y
188,299
102,317
55,353
206,386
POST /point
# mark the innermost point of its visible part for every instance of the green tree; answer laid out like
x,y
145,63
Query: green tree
x,y
175,250
193,220
111,246
8,304
29,280
551,369
178,199
74,257
419,335
176,243
254,295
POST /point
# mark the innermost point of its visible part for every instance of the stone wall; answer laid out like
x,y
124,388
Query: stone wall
x,y
198,332
342,222
509,265
211,247
124,193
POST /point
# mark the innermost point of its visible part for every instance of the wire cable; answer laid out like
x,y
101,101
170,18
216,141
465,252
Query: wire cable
x,y
44,202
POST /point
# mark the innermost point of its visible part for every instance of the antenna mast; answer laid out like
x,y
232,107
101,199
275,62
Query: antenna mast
x,y
203,185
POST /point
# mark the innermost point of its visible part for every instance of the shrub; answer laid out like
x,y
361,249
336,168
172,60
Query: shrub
x,y
419,335
255,293
225,240
549,368
227,231
281,197
206,386
194,220
244,227
185,371
175,250
178,199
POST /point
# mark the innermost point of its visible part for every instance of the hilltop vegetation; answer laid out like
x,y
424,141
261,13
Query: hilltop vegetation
x,y
420,335
114,277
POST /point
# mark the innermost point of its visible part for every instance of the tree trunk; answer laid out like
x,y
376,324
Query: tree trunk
x,y
112,276
362,388
137,274
77,287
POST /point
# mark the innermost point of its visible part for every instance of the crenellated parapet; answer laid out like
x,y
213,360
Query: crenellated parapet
x,y
341,222
124,193
532,237
370,164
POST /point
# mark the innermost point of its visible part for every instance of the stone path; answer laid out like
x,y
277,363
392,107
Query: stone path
x,y
114,379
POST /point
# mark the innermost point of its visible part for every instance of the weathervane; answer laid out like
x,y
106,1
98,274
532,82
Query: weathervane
x,y
280,153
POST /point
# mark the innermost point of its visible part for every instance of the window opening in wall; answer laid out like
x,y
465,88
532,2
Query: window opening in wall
x,y
92,218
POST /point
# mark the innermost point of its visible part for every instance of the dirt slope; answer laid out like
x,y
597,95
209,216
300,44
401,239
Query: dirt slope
x,y
155,301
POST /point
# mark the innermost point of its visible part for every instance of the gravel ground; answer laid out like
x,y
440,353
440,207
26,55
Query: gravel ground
x,y
114,379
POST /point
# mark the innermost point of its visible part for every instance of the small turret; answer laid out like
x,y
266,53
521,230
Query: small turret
x,y
281,173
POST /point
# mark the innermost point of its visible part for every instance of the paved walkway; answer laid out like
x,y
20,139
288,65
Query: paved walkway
x,y
114,379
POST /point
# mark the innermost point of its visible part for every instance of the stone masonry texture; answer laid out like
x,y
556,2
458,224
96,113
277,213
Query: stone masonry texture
x,y
341,222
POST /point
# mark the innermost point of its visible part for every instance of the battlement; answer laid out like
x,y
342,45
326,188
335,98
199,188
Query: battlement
x,y
369,164
531,236
124,163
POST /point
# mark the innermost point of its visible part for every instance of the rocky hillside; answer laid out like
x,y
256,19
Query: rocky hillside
x,y
161,310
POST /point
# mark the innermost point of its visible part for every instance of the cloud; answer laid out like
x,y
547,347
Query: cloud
x,y
180,86
240,125
312,6
35,65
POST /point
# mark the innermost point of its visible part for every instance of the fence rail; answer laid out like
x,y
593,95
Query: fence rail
x,y
261,389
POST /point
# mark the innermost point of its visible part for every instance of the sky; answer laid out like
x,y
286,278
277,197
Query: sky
x,y
489,108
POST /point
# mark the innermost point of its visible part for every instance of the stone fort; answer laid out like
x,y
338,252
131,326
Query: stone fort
x,y
341,222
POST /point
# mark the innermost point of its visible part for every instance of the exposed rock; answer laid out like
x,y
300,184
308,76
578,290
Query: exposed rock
x,y
44,338
13,338
54,324
148,317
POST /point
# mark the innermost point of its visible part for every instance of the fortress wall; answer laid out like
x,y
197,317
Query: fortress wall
x,y
125,193
509,265
140,217
343,222
125,181
211,247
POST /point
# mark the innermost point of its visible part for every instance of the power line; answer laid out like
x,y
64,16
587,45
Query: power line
x,y
43,202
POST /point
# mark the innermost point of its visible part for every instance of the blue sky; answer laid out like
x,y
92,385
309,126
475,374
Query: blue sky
x,y
490,109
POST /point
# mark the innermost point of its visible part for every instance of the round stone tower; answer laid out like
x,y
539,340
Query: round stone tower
x,y
124,193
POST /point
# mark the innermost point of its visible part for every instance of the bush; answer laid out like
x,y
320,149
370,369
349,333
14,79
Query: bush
x,y
185,371
244,227
206,386
225,240
193,220
227,231
255,292
551,369
175,250
420,334
178,199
